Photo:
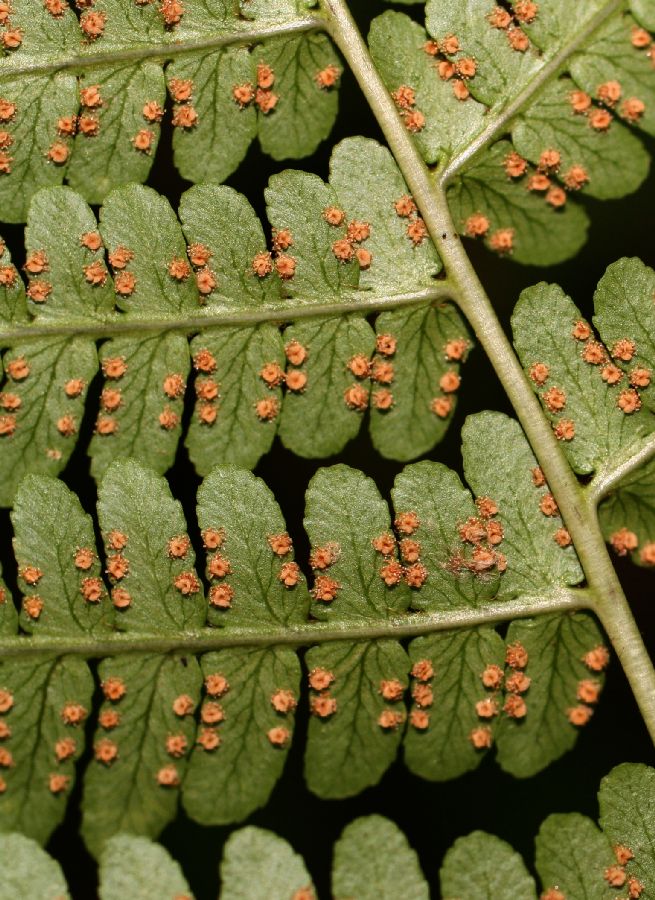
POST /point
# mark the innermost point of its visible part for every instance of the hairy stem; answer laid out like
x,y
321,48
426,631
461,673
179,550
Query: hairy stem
x,y
206,639
580,517
622,463
291,311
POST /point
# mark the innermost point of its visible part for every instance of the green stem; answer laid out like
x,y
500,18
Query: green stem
x,y
206,639
579,515
294,310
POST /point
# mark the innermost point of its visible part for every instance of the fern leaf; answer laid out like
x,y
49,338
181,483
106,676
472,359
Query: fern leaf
x,y
482,867
535,560
627,516
572,853
447,670
626,799
360,870
272,866
104,78
478,72
560,683
334,366
30,871
135,867
250,693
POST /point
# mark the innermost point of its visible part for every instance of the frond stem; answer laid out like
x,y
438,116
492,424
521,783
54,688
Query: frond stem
x,y
292,311
206,639
609,601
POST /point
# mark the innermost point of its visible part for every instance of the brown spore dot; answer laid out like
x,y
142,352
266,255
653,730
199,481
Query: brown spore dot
x,y
410,550
31,574
216,684
549,160
6,700
83,558
179,269
295,353
390,719
271,374
384,543
629,401
392,573
113,688
278,736
114,367
635,888
243,94
343,250
416,231
105,751
7,276
327,78
212,713
266,101
184,117
515,166
283,701
450,382
516,656
58,784
647,554
472,531
183,705
88,125
518,40
556,197
481,738
609,92
624,349
538,182
449,45
289,574
564,430
322,557
623,854
12,38
404,97
594,353
65,748
611,374
640,377
93,24
178,546
548,505
117,566
600,119
492,676
323,706
56,8
588,691
325,589
419,719
405,206
33,606
212,538
208,739
39,290
422,670
597,659
580,102
5,730
526,11
221,595
632,109
66,425
639,37
10,401
624,541
358,231
285,267
281,544
518,682
207,389
575,178
176,745
121,598
296,380
487,708
562,537
615,876
552,894
73,714
391,689
422,694
36,262
168,776
204,361
382,400
320,679
7,110
168,419
407,522
515,706
499,18
477,225
186,583
267,409
356,397
364,258
124,283
495,533
502,240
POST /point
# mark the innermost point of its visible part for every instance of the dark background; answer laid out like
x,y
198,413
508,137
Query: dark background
x,y
432,815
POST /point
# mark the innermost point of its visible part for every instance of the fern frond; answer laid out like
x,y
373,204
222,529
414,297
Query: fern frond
x,y
453,561
83,98
570,88
372,859
322,277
